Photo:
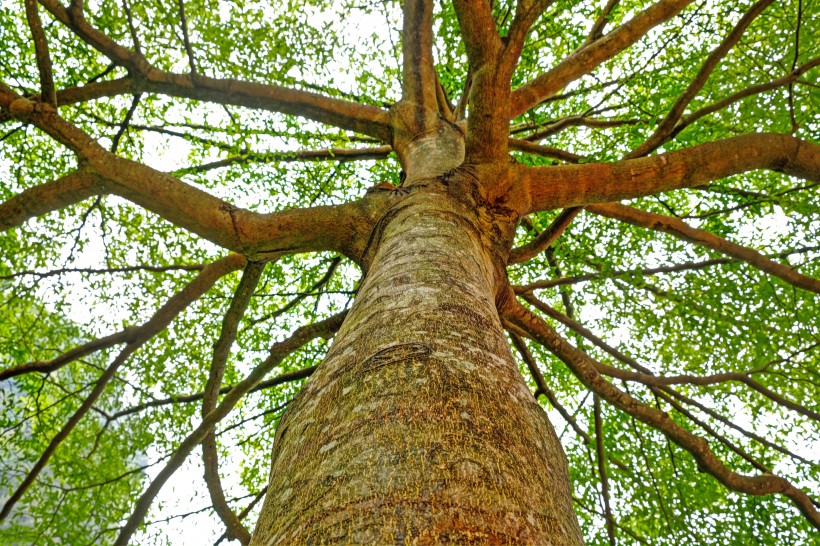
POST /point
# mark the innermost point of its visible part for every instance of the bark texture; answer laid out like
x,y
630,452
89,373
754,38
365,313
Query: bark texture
x,y
418,427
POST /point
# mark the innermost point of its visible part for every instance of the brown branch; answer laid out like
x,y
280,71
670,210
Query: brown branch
x,y
585,368
680,229
487,130
576,121
689,266
188,398
565,186
419,81
278,353
665,128
48,197
526,13
127,335
222,349
589,57
545,238
189,51
265,236
41,53
601,458
335,154
541,383
597,30
744,93
364,119
158,322
543,151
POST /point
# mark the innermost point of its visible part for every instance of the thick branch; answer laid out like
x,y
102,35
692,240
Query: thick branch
x,y
50,196
161,319
42,54
278,353
667,125
680,229
419,80
576,185
584,367
590,56
364,119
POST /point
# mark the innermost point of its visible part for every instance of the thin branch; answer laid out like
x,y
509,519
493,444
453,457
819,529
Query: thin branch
x,y
649,271
278,353
744,93
543,151
115,143
680,229
585,368
222,349
48,93
188,398
545,238
161,319
334,154
189,51
667,125
597,30
601,458
541,383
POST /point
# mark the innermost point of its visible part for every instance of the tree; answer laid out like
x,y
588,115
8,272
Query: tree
x,y
619,194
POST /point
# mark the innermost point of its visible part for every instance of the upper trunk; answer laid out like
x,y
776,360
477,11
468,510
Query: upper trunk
x,y
418,427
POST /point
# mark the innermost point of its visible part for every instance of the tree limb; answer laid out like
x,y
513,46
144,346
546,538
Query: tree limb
x,y
41,53
590,56
575,185
361,118
680,229
584,367
161,319
419,81
222,348
545,238
665,128
278,353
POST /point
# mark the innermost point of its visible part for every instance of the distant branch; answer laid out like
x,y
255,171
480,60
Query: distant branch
x,y
680,229
277,353
158,322
667,125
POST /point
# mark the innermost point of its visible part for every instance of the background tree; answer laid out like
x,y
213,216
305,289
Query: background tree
x,y
673,340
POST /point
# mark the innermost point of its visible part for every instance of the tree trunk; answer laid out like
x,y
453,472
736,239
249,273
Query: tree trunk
x,y
418,427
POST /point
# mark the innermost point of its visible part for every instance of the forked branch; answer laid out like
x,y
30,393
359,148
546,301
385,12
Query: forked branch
x,y
584,367
161,319
682,230
278,352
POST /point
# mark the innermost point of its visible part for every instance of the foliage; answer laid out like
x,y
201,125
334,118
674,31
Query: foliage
x,y
92,268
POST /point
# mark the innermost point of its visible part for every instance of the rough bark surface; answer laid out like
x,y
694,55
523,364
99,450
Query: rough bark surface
x,y
418,427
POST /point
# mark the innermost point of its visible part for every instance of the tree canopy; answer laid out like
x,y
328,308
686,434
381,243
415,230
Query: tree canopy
x,y
151,151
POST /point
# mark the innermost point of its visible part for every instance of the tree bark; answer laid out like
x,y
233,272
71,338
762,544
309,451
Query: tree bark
x,y
418,427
